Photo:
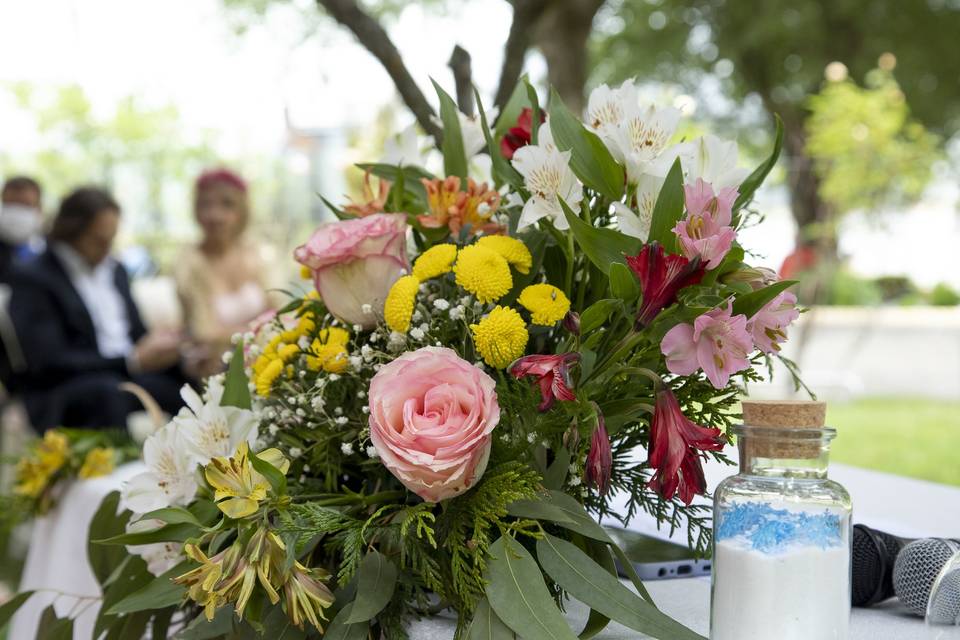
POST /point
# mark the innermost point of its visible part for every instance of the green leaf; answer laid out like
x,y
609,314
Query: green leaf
x,y
340,629
750,303
596,314
518,595
129,576
623,284
375,585
10,606
755,179
535,111
668,210
168,533
578,519
628,568
106,523
603,246
391,172
276,478
590,583
158,593
511,111
236,393
537,510
339,213
485,625
52,627
172,515
557,471
600,553
202,629
502,169
454,156
590,159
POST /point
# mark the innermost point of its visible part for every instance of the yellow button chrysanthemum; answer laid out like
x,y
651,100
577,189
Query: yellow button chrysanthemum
x,y
305,272
288,352
501,337
268,375
515,252
334,335
547,304
435,261
483,272
399,304
331,357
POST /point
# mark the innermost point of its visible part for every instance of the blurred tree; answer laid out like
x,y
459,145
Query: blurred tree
x,y
777,53
560,29
78,145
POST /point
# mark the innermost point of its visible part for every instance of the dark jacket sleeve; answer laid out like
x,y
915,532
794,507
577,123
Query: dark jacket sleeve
x,y
41,328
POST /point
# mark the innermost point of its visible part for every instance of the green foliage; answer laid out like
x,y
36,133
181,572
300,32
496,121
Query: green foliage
x,y
943,295
868,151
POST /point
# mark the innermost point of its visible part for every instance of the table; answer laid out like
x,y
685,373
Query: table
x,y
902,506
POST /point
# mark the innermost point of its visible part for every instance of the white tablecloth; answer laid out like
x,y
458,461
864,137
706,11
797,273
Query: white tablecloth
x,y
906,507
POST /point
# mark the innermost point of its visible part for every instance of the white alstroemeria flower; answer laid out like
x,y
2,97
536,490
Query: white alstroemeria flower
x,y
209,430
160,556
607,109
169,479
547,176
403,148
471,130
642,138
714,160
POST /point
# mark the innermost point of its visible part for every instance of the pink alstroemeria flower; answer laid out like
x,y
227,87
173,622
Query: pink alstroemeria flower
x,y
716,342
661,277
706,230
600,457
675,446
769,325
552,373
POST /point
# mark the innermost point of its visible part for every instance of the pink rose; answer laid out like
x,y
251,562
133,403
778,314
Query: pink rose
x,y
716,342
354,264
706,230
431,415
769,325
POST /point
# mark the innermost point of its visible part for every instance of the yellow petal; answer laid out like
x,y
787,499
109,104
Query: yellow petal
x,y
237,508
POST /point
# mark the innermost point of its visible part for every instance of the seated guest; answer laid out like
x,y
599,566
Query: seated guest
x,y
79,327
20,222
221,281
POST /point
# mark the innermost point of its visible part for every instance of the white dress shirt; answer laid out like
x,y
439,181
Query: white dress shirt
x,y
97,288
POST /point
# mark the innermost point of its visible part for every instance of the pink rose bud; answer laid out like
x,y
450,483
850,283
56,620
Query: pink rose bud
x,y
354,264
431,416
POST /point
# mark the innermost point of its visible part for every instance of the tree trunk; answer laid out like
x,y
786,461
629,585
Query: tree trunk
x,y
816,224
561,35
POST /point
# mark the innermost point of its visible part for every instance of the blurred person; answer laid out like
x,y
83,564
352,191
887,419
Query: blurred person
x,y
221,281
81,331
21,221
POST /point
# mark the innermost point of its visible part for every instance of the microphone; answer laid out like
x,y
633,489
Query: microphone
x,y
874,554
926,579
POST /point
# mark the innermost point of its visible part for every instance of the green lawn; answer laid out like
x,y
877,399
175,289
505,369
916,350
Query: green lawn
x,y
914,437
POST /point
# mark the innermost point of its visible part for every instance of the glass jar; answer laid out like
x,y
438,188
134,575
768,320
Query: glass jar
x,y
781,550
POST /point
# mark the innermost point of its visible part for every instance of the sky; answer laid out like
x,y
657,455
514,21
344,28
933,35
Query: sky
x,y
186,52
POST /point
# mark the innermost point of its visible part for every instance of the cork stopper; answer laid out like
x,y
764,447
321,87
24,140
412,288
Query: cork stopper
x,y
783,414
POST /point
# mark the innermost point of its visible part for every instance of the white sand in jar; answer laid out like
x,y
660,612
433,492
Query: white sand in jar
x,y
802,593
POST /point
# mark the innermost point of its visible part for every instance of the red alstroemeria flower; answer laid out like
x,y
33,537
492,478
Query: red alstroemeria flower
x,y
661,277
520,135
552,373
674,450
600,457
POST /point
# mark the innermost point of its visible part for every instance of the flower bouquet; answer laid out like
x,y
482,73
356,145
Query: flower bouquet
x,y
439,420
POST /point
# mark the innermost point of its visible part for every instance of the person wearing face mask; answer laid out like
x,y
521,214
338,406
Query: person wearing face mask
x,y
20,222
221,280
80,330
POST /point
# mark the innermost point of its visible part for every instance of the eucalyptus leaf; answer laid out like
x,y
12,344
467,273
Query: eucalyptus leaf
x,y
750,303
537,510
578,518
518,595
53,627
236,393
668,209
340,629
623,284
172,515
485,625
590,583
590,159
180,532
557,471
106,523
158,593
10,606
602,246
454,156
376,582
202,629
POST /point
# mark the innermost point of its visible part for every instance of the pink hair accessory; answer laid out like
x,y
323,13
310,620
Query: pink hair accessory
x,y
211,177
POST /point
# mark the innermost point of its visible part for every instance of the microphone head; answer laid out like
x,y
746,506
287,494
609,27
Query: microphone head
x,y
874,553
917,568
945,600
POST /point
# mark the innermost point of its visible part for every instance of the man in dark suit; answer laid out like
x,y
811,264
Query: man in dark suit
x,y
20,222
80,329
